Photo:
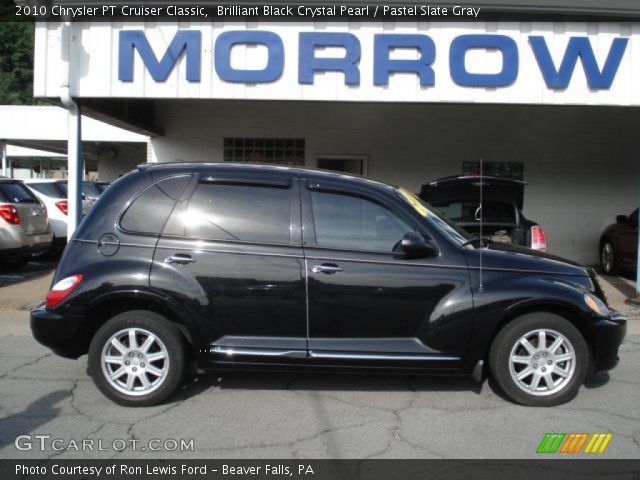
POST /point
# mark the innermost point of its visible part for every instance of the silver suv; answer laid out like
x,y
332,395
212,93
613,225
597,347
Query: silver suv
x,y
24,230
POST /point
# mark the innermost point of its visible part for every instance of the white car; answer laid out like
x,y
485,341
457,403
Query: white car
x,y
53,193
23,224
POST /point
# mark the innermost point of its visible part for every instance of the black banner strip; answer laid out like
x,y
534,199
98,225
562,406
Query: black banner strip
x,y
555,469
208,11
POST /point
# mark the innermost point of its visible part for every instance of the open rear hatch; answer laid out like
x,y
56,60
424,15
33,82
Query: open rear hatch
x,y
459,199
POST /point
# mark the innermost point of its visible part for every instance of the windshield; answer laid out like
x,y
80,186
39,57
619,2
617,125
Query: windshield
x,y
51,189
16,193
449,228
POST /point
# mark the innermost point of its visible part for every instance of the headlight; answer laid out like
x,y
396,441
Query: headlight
x,y
597,305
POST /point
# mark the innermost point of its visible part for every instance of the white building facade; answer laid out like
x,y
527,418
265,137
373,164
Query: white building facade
x,y
555,104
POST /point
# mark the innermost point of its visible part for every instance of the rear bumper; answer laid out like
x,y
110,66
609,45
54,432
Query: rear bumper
x,y
28,245
608,336
63,335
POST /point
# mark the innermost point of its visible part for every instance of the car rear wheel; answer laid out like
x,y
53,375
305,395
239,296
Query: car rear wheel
x,y
607,258
137,358
539,359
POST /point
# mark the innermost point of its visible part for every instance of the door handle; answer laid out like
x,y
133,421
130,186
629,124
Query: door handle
x,y
179,259
328,268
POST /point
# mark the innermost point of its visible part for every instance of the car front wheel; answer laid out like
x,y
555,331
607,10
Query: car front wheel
x,y
539,359
607,258
137,358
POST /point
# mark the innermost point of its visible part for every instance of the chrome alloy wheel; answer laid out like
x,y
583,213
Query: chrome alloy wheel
x,y
606,257
542,362
135,361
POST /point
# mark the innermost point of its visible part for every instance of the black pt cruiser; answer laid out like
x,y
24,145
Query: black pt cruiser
x,y
245,266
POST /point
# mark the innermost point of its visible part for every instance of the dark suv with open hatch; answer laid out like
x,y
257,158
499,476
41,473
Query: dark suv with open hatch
x,y
245,266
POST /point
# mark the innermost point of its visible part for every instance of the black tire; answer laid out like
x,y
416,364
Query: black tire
x,y
508,338
56,248
161,328
612,268
15,263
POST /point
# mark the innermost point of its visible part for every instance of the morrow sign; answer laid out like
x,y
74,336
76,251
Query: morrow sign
x,y
473,62
188,43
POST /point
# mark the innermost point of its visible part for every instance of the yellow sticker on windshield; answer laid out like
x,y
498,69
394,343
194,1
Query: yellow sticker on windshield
x,y
414,201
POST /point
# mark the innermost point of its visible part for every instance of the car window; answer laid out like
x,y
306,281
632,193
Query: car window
x,y
351,222
16,193
444,224
91,189
50,189
468,211
149,210
228,211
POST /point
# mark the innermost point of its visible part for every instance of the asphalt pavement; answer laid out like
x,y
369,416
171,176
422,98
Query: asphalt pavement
x,y
50,402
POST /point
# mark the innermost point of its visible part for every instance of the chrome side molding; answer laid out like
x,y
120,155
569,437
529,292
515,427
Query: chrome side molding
x,y
379,356
327,355
257,352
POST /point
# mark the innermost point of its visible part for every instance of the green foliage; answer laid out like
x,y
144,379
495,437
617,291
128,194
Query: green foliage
x,y
16,63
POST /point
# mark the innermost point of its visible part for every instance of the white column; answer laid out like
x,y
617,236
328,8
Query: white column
x,y
4,159
76,168
74,118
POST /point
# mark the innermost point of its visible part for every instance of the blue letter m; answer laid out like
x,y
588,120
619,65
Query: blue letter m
x,y
579,47
188,41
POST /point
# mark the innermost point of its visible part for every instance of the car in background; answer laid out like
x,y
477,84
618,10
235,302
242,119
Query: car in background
x,y
92,190
458,198
619,244
24,231
53,193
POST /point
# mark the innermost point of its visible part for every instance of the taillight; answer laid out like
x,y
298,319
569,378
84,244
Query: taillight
x,y
538,239
10,214
63,206
62,289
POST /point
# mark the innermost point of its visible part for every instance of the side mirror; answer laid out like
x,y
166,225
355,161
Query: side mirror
x,y
622,219
415,246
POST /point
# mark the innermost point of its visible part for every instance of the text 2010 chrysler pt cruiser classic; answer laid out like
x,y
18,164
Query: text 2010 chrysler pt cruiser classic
x,y
259,266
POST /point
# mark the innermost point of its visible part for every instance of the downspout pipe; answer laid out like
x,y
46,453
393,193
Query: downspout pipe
x,y
75,160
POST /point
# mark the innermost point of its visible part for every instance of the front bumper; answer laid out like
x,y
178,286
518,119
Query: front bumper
x,y
608,336
63,335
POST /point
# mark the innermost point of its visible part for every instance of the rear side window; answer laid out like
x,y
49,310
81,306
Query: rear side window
x,y
149,210
16,193
50,189
231,211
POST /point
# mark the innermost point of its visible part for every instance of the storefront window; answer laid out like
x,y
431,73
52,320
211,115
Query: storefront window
x,y
279,151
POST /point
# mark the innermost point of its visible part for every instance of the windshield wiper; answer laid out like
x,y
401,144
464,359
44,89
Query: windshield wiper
x,y
482,241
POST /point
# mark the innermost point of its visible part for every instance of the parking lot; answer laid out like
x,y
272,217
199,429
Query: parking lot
x,y
292,416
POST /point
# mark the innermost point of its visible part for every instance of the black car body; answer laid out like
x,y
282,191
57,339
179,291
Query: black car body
x,y
242,266
619,244
458,197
